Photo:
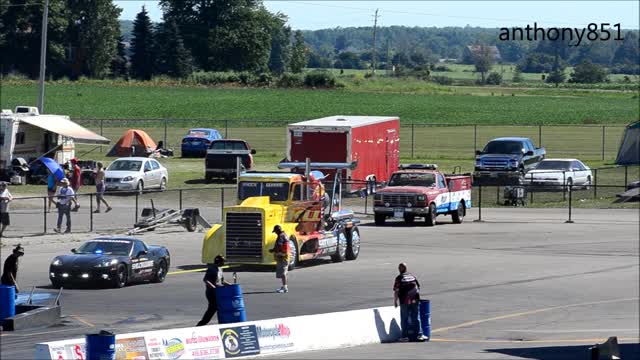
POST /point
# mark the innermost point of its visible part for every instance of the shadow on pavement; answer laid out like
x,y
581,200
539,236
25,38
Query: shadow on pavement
x,y
627,351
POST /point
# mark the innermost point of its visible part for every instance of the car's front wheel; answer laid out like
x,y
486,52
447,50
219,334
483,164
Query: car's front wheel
x,y
140,187
120,279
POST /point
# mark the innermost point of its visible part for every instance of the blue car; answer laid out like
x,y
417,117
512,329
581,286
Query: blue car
x,y
197,141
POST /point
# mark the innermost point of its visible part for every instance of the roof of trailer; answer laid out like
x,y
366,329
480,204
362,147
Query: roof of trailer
x,y
345,121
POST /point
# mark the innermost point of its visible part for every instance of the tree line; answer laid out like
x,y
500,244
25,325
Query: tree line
x,y
84,39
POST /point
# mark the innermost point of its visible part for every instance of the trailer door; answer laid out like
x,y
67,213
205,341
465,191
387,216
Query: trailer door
x,y
391,153
318,146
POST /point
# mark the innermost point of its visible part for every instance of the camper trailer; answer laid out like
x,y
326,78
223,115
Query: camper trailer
x,y
25,135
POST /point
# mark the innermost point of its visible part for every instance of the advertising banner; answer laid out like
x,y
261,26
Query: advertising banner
x,y
193,343
275,336
240,341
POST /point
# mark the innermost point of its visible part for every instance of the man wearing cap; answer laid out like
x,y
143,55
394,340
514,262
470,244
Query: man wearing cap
x,y
75,181
281,252
406,288
10,269
5,199
213,278
65,196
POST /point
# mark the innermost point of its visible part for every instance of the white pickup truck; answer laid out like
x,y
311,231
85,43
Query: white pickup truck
x,y
26,135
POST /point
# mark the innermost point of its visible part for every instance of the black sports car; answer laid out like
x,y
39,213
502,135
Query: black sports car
x,y
112,260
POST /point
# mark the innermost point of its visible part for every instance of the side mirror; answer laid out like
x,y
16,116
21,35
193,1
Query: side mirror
x,y
253,151
529,153
73,251
478,152
142,252
147,170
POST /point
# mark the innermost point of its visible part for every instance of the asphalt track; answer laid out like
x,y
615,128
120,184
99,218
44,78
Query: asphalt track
x,y
523,284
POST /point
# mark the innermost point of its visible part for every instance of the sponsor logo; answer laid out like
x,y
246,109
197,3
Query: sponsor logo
x,y
231,342
174,348
273,332
201,339
142,265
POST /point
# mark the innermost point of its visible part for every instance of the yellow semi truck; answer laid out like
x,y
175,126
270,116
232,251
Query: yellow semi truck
x,y
310,215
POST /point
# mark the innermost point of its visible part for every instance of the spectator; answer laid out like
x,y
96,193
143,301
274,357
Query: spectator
x,y
5,199
76,181
10,269
52,186
65,197
407,289
281,252
100,188
213,278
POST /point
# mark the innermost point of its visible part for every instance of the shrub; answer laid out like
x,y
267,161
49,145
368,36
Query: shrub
x,y
442,80
290,80
441,68
264,79
320,78
494,78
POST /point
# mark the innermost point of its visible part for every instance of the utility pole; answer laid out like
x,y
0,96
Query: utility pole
x,y
43,56
373,53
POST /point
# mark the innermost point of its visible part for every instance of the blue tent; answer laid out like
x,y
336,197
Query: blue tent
x,y
54,167
629,151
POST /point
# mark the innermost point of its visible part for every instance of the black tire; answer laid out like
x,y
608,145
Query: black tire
x,y
190,223
163,184
521,176
430,218
161,271
208,178
569,184
341,248
458,215
587,185
353,243
140,187
86,181
380,219
293,261
409,219
120,279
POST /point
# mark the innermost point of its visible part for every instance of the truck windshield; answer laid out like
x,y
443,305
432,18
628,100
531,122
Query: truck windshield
x,y
412,179
276,191
553,165
503,147
228,145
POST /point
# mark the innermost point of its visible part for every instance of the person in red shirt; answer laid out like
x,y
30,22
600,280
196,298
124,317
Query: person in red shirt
x,y
282,255
76,181
406,289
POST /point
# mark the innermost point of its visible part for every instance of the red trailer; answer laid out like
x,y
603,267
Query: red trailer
x,y
374,141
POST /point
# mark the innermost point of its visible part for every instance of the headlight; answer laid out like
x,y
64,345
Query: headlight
x,y
56,262
127,178
422,198
107,263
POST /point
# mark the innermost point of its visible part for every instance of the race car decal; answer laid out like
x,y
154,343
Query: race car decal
x,y
142,264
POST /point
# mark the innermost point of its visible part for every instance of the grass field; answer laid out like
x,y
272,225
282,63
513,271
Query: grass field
x,y
98,100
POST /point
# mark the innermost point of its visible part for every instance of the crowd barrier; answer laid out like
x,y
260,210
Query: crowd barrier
x,y
251,338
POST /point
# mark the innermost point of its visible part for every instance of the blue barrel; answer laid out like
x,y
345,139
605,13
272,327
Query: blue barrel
x,y
425,318
101,346
230,304
7,301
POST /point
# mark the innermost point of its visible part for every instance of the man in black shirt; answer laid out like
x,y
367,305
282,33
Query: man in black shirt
x,y
406,288
10,270
212,279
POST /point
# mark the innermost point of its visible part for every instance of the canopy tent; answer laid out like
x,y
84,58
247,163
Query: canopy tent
x,y
65,127
133,142
629,151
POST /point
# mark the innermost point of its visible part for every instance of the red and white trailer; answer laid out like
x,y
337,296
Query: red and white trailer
x,y
372,141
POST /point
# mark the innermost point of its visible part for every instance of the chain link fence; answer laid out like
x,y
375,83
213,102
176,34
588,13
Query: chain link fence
x,y
418,140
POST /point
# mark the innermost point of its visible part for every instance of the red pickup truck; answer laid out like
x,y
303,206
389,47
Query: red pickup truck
x,y
419,190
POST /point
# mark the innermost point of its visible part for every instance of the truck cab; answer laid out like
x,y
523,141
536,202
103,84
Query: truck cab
x,y
309,214
504,161
418,190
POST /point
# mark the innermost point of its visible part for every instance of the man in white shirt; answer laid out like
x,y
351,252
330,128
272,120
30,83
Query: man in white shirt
x,y
5,199
65,197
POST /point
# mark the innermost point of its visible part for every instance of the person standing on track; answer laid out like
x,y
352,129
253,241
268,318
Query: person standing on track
x,y
213,278
100,188
281,251
65,197
10,269
406,288
5,199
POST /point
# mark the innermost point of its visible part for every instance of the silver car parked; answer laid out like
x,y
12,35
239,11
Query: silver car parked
x,y
136,174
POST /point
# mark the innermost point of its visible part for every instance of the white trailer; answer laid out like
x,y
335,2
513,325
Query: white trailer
x,y
26,135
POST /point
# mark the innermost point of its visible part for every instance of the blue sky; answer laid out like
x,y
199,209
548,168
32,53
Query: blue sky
x,y
311,15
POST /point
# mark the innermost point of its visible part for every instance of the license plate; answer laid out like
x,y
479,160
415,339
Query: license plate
x,y
398,213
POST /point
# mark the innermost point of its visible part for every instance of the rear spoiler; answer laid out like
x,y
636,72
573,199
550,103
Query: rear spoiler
x,y
292,165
